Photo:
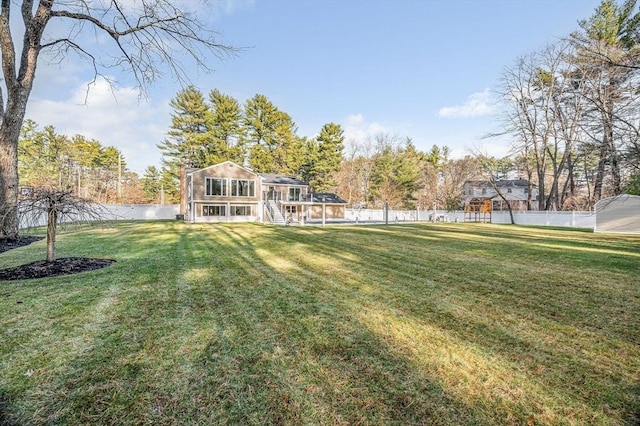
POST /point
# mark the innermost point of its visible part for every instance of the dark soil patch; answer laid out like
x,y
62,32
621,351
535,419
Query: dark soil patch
x,y
43,269
11,243
62,266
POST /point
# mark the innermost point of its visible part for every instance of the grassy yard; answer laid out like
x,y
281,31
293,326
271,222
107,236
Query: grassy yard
x,y
451,324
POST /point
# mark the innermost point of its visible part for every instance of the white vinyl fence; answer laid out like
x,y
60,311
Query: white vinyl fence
x,y
574,219
118,212
362,216
142,211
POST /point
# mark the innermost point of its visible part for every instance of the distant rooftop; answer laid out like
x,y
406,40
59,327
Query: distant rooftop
x,y
501,183
327,197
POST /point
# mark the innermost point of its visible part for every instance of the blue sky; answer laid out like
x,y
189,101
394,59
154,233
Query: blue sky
x,y
419,69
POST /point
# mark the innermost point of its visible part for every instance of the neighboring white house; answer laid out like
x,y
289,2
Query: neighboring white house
x,y
619,214
521,194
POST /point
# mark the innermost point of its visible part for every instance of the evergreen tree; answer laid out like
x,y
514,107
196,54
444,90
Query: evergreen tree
x,y
273,144
325,156
408,174
395,175
187,141
51,160
607,64
226,130
169,187
151,184
85,155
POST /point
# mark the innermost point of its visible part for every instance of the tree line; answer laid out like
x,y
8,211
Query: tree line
x,y
573,111
382,169
145,41
50,160
207,131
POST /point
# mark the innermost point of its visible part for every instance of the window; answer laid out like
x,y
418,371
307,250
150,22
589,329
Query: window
x,y
215,186
240,210
484,191
214,211
294,194
243,188
509,190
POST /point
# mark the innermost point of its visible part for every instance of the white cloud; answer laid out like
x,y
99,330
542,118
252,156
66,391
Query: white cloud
x,y
113,116
357,129
232,6
477,105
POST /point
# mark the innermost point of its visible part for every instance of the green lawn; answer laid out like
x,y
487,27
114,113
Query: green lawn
x,y
452,324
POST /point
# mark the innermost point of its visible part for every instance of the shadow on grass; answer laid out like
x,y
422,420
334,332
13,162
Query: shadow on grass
x,y
287,353
423,295
262,325
6,418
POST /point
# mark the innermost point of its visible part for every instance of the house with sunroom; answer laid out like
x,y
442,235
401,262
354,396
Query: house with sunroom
x,y
228,192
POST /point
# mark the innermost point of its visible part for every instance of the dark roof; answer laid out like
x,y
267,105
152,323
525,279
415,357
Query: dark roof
x,y
281,179
327,197
501,183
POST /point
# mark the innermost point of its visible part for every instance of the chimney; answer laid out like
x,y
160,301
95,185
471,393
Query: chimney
x,y
183,189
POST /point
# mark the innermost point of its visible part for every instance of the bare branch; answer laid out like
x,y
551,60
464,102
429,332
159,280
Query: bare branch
x,y
56,207
159,34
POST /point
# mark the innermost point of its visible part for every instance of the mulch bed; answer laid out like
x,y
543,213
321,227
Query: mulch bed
x,y
7,244
42,268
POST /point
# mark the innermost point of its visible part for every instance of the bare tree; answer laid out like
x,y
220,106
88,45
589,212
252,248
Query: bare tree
x,y
607,58
544,111
145,36
495,170
356,172
57,207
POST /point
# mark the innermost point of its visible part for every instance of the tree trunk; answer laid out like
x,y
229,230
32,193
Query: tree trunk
x,y
599,180
52,219
615,170
494,184
541,188
9,223
18,88
569,187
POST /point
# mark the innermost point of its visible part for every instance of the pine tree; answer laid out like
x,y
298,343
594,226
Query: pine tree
x,y
151,184
226,130
325,158
608,59
188,133
271,137
395,174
